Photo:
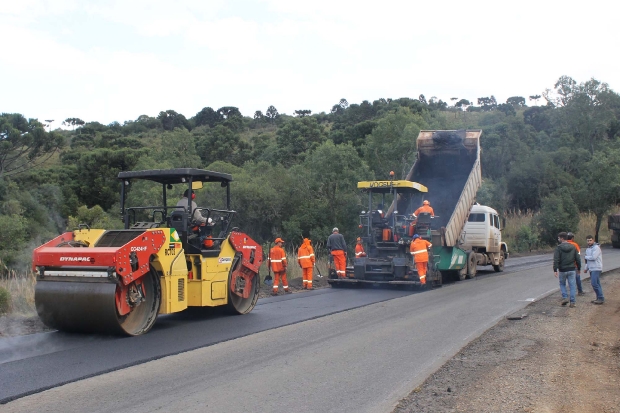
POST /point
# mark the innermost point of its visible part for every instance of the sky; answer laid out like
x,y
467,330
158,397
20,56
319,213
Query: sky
x,y
113,61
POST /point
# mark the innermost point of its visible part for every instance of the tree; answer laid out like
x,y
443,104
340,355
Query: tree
x,y
599,188
558,213
171,120
258,115
462,104
343,103
228,112
297,138
516,101
272,114
73,122
487,103
25,143
303,112
535,98
222,144
207,116
507,109
391,145
422,99
585,110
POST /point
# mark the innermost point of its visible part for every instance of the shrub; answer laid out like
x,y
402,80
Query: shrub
x,y
5,301
558,213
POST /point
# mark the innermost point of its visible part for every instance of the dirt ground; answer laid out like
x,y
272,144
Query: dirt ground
x,y
557,359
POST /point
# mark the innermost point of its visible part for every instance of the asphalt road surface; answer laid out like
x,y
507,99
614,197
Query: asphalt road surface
x,y
332,350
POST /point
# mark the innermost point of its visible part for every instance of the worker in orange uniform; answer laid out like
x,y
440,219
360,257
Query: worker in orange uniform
x,y
338,248
305,258
570,238
277,262
419,250
426,207
359,249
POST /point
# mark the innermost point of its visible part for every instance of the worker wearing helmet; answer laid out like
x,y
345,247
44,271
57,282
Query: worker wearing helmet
x,y
419,251
570,238
197,218
338,249
359,249
305,258
425,208
277,263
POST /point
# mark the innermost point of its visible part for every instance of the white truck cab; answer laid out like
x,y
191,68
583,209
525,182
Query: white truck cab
x,y
482,235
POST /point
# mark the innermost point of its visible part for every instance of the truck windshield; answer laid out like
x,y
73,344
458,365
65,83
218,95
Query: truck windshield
x,y
476,218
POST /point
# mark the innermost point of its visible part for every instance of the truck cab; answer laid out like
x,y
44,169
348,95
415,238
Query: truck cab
x,y
482,235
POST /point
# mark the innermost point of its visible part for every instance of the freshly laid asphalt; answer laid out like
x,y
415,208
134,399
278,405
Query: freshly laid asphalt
x,y
30,364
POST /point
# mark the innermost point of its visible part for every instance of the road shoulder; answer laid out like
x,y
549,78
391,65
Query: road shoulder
x,y
555,359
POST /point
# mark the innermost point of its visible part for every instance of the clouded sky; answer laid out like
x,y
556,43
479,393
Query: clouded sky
x,y
109,60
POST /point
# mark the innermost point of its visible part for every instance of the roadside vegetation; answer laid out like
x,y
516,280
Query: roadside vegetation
x,y
549,163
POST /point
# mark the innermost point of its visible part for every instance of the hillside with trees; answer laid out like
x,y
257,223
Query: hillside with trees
x,y
295,175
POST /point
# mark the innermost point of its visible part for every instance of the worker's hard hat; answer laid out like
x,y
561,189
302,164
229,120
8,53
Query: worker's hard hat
x,y
415,236
426,203
278,240
335,229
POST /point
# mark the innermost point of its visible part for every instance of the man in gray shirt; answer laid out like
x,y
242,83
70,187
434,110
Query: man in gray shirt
x,y
197,218
338,248
594,264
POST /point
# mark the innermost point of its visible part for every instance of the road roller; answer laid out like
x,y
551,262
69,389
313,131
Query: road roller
x,y
166,258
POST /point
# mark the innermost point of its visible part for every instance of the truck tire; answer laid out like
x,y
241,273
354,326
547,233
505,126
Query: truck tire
x,y
472,265
499,267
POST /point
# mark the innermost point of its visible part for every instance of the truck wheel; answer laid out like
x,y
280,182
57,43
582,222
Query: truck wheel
x,y
462,273
499,267
472,263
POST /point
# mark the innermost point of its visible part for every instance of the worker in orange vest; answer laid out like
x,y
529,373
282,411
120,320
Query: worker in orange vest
x,y
426,207
419,250
305,258
337,246
570,238
359,249
277,262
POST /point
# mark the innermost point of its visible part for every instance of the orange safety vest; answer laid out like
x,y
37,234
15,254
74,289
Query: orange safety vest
x,y
305,255
359,251
570,241
277,259
424,208
419,249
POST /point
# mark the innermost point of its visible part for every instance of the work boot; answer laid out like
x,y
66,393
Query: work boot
x,y
581,293
572,305
564,301
274,293
287,291
598,302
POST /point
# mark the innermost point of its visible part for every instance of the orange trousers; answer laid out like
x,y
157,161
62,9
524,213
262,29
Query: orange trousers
x,y
276,280
340,262
422,267
307,277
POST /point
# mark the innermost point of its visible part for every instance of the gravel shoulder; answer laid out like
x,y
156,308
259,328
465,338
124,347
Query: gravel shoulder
x,y
556,359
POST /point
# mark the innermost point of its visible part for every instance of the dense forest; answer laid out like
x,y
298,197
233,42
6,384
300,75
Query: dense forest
x,y
295,175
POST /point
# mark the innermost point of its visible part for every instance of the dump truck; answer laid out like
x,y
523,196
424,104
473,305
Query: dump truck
x,y
446,172
613,223
118,280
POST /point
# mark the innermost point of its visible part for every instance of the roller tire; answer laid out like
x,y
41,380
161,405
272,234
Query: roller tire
x,y
239,305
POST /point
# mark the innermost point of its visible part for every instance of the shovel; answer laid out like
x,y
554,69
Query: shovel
x,y
269,278
318,272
